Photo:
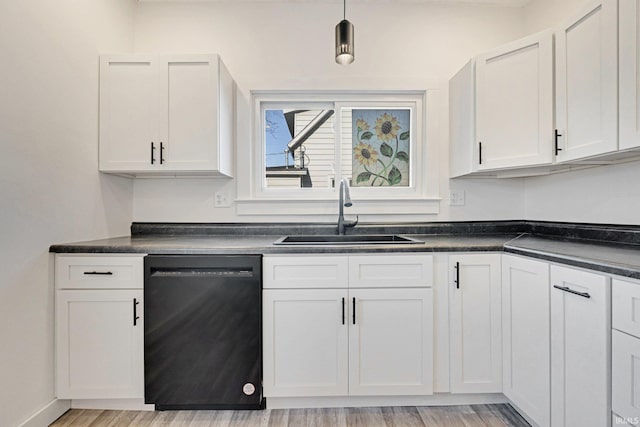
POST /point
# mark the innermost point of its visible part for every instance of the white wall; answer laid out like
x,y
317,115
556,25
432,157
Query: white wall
x,y
290,45
50,189
542,14
600,195
607,194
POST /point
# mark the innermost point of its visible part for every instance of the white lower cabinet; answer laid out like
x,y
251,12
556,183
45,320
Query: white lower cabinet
x,y
580,348
99,346
99,327
338,341
306,342
390,342
475,323
525,336
625,351
625,375
312,349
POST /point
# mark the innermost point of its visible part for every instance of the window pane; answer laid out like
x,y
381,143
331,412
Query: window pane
x,y
299,148
380,147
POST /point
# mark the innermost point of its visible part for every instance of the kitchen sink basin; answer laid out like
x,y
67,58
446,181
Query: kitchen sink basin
x,y
350,239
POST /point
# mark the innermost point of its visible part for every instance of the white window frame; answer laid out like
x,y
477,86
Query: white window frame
x,y
320,201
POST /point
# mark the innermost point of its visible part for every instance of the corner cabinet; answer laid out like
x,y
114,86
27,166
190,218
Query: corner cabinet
x,y
501,108
587,82
166,115
580,348
348,325
99,327
553,101
475,323
526,336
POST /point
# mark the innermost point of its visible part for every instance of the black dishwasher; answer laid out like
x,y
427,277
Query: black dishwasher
x,y
202,331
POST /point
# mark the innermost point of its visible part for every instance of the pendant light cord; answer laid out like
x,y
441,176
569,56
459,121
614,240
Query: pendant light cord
x,y
344,3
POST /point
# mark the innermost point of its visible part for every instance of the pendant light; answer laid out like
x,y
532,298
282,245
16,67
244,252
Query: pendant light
x,y
344,39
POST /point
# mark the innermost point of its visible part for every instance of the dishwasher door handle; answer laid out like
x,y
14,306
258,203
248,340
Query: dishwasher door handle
x,y
203,272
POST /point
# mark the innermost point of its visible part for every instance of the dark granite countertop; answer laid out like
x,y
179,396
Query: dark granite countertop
x,y
608,257
263,244
610,249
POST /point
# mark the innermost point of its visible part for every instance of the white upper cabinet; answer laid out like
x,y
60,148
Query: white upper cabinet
x,y
629,73
514,104
462,157
166,115
587,82
129,113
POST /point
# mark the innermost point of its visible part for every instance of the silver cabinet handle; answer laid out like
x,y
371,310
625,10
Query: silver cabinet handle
x,y
571,291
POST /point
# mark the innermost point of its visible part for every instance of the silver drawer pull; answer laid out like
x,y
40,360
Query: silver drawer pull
x,y
98,273
571,291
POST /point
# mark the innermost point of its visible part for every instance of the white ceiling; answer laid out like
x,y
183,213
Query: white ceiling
x,y
509,3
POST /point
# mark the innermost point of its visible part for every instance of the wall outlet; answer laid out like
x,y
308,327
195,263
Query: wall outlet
x,y
221,199
456,198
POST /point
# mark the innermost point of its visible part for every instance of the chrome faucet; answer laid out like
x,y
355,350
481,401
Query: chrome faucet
x,y
344,200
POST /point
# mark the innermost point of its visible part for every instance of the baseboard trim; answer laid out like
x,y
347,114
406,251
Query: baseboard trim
x,y
48,413
115,404
439,399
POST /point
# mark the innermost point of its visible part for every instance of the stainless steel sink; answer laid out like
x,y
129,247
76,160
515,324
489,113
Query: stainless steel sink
x,y
350,239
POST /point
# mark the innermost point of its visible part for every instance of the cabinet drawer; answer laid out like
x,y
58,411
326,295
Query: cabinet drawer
x,y
390,271
625,306
300,272
99,272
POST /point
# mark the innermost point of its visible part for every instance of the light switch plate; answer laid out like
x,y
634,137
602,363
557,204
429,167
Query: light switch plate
x,y
456,198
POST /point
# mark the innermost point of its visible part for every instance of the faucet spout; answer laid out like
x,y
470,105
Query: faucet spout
x,y
344,199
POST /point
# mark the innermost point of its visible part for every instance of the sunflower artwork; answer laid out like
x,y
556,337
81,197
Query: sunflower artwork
x,y
380,148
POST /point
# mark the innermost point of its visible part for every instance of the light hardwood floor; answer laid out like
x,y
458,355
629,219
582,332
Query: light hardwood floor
x,y
435,416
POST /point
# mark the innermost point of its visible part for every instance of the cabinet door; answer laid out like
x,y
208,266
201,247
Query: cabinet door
x,y
629,39
305,342
580,348
525,335
189,111
99,344
625,375
463,158
625,306
514,101
391,342
587,82
475,323
129,89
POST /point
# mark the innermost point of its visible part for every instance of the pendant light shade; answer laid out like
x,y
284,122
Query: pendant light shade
x,y
344,40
